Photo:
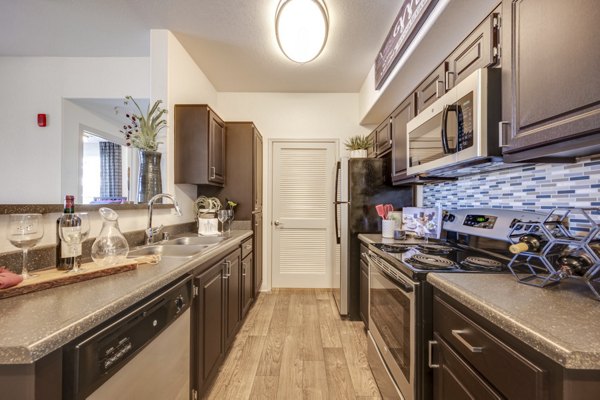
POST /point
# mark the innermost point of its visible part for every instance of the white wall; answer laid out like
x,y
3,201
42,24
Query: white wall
x,y
291,116
176,79
30,156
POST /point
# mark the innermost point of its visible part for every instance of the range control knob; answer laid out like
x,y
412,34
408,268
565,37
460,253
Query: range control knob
x,y
179,303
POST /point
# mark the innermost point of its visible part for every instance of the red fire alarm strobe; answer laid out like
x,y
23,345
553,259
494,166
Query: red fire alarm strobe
x,y
41,119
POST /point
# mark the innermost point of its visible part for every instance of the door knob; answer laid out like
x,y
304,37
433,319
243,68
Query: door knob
x,y
276,222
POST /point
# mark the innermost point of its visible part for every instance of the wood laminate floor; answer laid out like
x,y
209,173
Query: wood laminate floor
x,y
293,345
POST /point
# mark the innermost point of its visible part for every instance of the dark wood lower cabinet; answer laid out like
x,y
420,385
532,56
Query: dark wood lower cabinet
x,y
224,294
472,358
209,327
233,295
455,379
364,292
247,283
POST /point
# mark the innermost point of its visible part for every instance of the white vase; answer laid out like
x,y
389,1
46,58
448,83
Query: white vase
x,y
358,153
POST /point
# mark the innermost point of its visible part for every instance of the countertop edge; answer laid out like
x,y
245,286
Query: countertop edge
x,y
17,355
569,359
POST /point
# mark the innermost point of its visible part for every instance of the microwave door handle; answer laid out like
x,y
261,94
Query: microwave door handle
x,y
444,130
460,127
447,109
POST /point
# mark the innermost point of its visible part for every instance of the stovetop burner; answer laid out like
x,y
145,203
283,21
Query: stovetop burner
x,y
432,248
431,262
394,248
472,263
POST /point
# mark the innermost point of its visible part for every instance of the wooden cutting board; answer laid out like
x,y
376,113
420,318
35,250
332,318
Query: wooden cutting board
x,y
51,277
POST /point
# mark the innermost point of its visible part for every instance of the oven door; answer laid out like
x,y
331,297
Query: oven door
x,y
392,322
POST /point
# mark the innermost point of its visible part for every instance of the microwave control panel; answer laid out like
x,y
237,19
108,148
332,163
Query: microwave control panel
x,y
480,221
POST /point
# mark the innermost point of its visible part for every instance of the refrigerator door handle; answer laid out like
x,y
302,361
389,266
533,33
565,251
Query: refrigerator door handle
x,y
337,203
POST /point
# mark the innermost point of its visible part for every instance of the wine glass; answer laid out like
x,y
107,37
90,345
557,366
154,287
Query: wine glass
x,y
84,233
222,216
24,232
229,220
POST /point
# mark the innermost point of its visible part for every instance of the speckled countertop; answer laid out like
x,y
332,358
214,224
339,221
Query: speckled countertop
x,y
562,322
34,325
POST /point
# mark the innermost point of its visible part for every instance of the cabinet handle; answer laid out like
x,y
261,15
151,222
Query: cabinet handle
x,y
213,173
457,334
430,354
437,88
501,133
447,78
243,269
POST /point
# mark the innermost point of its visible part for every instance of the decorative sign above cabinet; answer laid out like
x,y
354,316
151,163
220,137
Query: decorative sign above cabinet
x,y
406,25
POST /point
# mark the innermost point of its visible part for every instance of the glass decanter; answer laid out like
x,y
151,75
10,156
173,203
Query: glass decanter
x,y
110,247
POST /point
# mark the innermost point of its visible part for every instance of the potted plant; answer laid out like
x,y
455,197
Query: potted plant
x,y
358,146
141,131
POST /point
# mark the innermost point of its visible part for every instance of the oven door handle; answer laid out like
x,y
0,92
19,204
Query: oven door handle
x,y
398,281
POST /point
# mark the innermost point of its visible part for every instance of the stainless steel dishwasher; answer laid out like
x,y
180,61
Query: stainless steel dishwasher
x,y
143,353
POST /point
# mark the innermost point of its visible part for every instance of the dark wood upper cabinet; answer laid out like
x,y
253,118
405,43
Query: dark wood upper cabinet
x,y
200,140
371,152
432,88
550,77
478,50
257,170
383,135
400,117
245,186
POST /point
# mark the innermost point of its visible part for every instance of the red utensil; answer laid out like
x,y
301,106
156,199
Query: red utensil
x,y
380,210
387,209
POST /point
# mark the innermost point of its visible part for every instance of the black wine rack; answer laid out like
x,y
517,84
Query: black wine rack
x,y
564,230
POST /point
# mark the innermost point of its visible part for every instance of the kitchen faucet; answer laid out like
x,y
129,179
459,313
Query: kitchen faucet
x,y
150,231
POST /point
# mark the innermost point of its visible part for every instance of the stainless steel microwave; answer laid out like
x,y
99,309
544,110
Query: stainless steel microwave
x,y
459,130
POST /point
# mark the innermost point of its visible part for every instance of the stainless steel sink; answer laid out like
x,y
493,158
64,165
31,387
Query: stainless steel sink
x,y
168,251
196,240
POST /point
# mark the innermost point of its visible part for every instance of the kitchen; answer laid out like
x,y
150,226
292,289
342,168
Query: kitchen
x,y
546,122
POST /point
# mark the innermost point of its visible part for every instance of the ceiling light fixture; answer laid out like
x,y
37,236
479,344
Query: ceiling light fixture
x,y
301,27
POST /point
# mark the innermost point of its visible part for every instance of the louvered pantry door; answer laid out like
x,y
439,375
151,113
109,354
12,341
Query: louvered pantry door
x,y
302,219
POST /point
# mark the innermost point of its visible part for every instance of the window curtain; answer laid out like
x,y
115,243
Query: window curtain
x,y
111,174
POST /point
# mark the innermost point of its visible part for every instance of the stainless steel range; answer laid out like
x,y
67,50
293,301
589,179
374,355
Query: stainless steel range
x,y
400,315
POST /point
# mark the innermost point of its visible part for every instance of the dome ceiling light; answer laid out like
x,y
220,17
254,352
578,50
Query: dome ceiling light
x,y
301,27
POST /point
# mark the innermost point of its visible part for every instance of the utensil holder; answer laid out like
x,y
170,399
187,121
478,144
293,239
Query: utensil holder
x,y
387,228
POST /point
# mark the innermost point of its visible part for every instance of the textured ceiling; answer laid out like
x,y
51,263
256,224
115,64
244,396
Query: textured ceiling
x,y
231,40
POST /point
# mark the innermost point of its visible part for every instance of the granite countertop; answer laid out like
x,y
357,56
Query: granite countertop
x,y
370,238
562,322
34,325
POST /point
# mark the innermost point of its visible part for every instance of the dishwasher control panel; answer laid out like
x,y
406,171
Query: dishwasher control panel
x,y
93,358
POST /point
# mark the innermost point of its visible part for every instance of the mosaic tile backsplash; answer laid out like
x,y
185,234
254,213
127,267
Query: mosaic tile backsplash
x,y
534,188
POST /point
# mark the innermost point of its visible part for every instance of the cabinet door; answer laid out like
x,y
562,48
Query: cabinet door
x,y
216,153
383,138
432,88
247,283
258,264
373,138
477,51
209,317
551,84
400,117
364,292
257,167
233,294
454,379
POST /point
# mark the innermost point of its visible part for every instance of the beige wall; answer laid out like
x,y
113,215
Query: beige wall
x,y
302,116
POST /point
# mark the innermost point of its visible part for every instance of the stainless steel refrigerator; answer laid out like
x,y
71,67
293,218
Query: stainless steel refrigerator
x,y
360,184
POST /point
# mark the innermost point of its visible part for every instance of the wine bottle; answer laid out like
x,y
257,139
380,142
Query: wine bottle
x,y
528,242
574,264
67,255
